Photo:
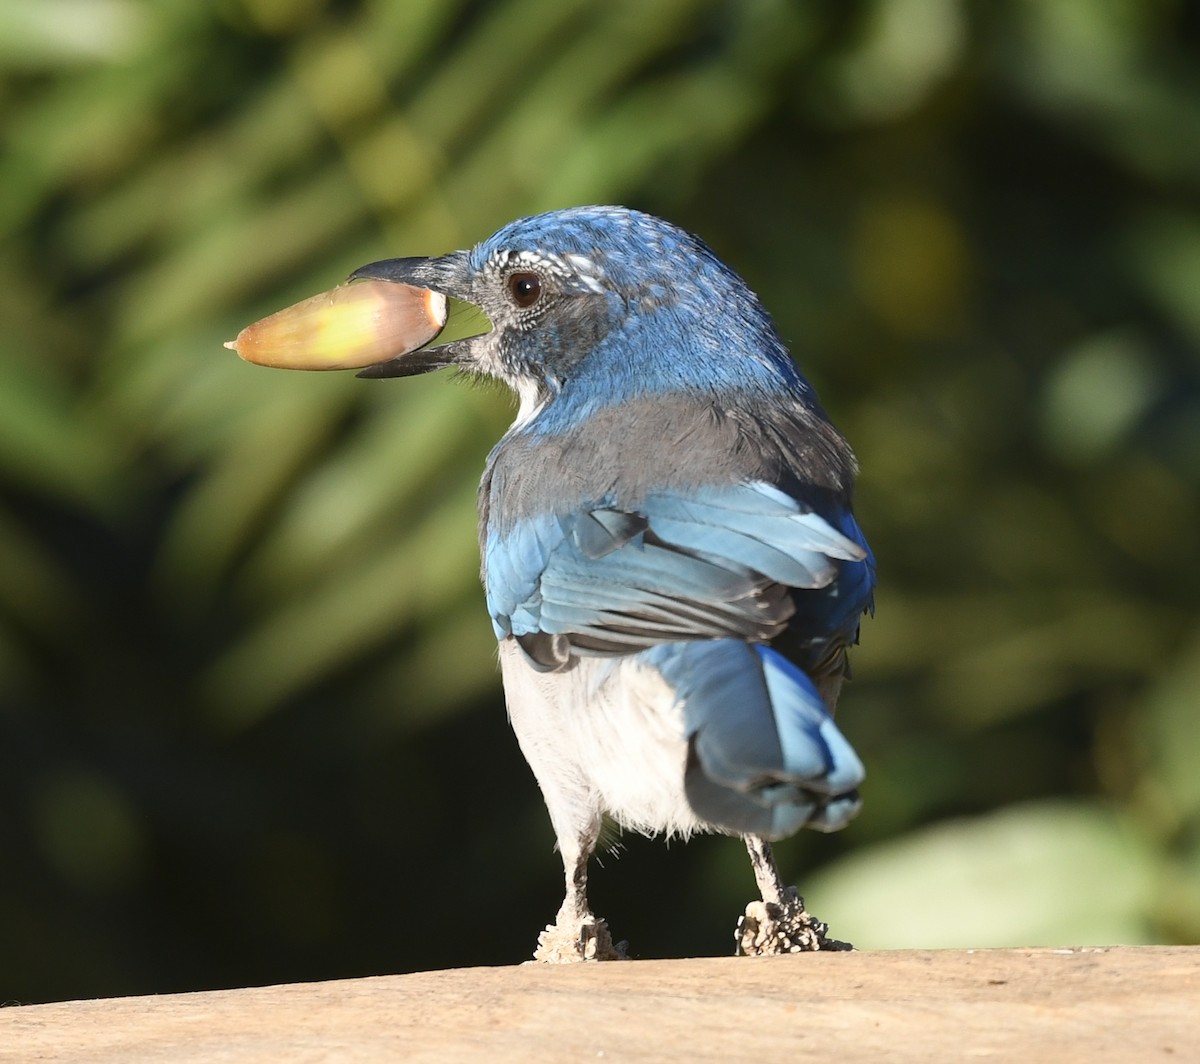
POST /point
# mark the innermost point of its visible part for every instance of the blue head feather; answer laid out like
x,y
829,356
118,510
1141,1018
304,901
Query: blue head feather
x,y
632,306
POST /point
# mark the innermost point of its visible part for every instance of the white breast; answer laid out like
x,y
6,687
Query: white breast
x,y
604,735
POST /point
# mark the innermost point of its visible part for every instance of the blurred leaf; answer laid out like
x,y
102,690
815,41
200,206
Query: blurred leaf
x,y
222,512
908,46
1096,394
1045,874
1166,251
88,830
48,443
367,488
33,587
1173,736
61,32
912,263
1117,73
414,575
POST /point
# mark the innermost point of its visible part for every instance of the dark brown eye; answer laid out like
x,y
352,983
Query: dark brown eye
x,y
525,288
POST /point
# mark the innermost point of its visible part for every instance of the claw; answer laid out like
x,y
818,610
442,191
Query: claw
x,y
768,929
585,939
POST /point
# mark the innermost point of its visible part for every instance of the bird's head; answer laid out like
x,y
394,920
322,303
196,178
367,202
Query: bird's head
x,y
599,299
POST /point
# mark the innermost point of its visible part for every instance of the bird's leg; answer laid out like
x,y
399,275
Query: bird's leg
x,y
779,923
577,934
766,872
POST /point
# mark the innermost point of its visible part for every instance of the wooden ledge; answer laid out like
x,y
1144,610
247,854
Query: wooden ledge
x,y
1095,1005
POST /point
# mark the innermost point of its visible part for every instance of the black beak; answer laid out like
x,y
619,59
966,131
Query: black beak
x,y
419,272
448,275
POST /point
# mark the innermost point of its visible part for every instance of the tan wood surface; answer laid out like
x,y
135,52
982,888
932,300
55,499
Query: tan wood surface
x,y
1094,1005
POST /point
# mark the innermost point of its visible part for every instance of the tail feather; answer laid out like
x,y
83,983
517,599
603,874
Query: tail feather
x,y
765,756
813,746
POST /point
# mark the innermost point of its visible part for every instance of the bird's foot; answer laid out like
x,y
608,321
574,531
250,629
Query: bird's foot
x,y
583,938
770,928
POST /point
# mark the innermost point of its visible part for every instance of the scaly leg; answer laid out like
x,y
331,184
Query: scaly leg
x,y
536,704
577,934
779,923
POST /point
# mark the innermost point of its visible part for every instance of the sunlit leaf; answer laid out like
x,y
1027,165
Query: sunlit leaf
x,y
1045,874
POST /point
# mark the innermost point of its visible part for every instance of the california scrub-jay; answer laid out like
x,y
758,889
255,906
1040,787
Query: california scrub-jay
x,y
669,505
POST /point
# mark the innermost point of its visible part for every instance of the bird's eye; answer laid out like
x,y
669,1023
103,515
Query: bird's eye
x,y
525,288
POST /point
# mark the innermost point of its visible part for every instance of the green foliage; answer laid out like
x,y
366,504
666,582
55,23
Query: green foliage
x,y
247,687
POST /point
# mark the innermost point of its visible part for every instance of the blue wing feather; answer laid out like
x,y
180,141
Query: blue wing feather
x,y
800,568
708,564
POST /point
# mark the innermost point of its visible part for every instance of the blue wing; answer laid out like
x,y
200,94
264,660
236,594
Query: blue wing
x,y
712,563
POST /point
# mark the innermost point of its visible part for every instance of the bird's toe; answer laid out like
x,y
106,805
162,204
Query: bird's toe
x,y
767,929
571,939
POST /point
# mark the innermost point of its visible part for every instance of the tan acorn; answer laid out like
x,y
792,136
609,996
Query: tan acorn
x,y
349,327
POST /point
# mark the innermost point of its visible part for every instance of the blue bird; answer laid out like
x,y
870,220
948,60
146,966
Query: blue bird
x,y
669,506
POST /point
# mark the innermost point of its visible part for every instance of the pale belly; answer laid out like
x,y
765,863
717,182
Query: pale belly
x,y
605,735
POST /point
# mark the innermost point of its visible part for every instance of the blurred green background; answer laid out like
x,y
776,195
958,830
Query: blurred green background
x,y
251,727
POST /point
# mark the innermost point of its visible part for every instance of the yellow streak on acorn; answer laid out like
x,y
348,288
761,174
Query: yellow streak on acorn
x,y
348,327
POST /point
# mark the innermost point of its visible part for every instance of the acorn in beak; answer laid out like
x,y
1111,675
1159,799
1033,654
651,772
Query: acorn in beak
x,y
377,322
